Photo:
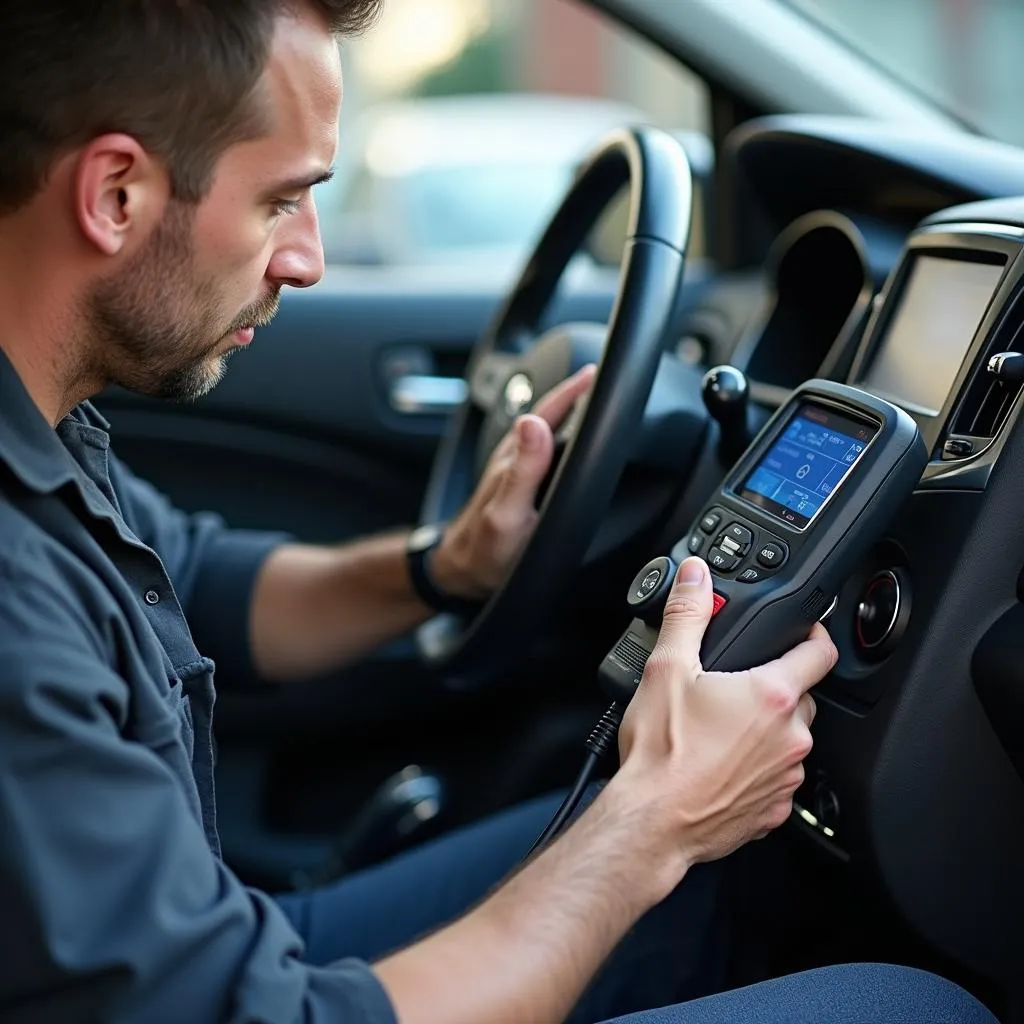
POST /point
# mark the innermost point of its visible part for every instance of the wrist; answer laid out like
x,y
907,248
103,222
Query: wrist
x,y
450,569
643,837
439,595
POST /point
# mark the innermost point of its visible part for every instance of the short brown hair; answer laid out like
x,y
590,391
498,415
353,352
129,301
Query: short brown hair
x,y
177,75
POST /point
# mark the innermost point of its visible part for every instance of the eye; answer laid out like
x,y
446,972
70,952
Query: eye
x,y
285,206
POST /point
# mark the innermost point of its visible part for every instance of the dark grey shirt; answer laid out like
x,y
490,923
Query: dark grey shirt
x,y
114,903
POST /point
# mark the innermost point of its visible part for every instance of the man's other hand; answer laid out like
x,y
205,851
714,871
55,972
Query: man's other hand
x,y
486,538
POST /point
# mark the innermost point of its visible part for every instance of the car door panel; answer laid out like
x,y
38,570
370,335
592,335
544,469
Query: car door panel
x,y
278,478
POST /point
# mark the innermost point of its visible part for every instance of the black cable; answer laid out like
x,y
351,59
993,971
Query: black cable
x,y
569,804
599,742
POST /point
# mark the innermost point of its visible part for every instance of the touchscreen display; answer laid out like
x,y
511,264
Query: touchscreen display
x,y
942,304
806,463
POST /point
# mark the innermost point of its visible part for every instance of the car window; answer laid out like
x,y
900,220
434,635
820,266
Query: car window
x,y
481,204
962,54
464,122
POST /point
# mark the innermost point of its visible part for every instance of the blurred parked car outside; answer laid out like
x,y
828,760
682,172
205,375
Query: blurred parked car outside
x,y
466,179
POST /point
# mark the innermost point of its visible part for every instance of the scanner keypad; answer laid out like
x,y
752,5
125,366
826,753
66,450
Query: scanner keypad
x,y
739,547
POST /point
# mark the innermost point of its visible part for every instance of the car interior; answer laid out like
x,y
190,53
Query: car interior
x,y
839,246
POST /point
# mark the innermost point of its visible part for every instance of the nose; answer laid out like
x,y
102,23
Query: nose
x,y
298,257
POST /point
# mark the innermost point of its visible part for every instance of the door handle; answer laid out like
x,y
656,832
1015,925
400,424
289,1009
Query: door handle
x,y
417,394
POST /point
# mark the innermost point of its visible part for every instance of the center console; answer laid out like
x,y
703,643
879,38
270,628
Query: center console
x,y
913,770
949,307
948,322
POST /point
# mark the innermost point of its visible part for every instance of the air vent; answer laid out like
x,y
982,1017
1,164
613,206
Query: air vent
x,y
990,396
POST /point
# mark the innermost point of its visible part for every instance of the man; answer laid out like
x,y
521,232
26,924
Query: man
x,y
154,200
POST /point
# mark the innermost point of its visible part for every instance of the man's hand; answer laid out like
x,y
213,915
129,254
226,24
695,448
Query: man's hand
x,y
709,761
715,757
315,609
490,532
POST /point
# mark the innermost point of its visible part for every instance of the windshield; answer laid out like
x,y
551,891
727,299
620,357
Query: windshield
x,y
963,54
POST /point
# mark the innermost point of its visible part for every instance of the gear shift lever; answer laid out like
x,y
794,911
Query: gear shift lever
x,y
402,807
726,396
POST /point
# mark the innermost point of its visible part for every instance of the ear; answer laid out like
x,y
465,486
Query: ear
x,y
119,192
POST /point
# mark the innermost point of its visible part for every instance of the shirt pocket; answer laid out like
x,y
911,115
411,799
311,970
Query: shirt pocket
x,y
170,723
157,712
163,722
184,712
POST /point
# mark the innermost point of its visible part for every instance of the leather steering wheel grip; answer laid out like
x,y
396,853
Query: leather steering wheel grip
x,y
654,168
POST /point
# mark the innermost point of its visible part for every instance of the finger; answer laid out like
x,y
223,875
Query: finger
x,y
558,402
534,449
806,709
687,612
808,663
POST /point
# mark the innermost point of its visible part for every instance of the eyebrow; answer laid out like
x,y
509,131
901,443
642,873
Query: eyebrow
x,y
302,183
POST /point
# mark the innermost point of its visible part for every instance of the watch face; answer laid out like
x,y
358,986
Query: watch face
x,y
424,537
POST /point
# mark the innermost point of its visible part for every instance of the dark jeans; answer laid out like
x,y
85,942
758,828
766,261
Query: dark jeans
x,y
673,956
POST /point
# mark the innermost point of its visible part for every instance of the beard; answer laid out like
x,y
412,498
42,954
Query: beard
x,y
157,326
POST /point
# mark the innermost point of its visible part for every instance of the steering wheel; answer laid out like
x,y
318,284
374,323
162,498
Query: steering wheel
x,y
510,366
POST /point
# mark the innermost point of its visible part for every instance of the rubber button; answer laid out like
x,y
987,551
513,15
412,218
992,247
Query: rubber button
x,y
740,536
722,560
710,522
718,603
729,545
772,554
752,574
695,543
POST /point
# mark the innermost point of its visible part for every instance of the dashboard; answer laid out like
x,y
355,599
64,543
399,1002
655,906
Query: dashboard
x,y
872,270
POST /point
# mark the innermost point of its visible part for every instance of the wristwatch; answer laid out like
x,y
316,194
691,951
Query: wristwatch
x,y
418,549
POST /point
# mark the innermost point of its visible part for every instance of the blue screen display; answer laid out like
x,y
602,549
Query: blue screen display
x,y
806,463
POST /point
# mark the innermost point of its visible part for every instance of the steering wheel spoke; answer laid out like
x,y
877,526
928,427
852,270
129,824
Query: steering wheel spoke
x,y
488,376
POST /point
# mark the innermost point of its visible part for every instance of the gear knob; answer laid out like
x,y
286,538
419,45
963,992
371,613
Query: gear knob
x,y
726,395
402,807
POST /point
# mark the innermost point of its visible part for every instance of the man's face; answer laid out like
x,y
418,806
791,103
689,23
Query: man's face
x,y
208,274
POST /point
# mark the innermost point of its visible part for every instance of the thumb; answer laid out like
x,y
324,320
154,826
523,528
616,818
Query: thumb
x,y
533,452
687,612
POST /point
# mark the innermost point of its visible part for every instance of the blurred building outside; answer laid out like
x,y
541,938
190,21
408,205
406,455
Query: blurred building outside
x,y
444,47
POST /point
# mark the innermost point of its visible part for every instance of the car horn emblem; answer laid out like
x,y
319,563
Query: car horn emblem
x,y
518,394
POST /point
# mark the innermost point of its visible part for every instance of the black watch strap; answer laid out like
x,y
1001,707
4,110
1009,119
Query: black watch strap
x,y
421,545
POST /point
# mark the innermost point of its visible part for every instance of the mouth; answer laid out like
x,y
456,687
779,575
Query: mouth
x,y
258,314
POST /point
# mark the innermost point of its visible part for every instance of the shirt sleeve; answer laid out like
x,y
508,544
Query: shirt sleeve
x,y
212,567
114,908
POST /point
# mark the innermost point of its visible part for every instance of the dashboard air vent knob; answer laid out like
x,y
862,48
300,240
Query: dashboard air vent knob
x,y
1007,367
1004,372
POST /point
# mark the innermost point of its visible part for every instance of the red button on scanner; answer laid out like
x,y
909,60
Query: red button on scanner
x,y
719,604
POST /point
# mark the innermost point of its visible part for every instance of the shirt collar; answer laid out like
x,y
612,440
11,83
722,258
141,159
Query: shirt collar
x,y
29,446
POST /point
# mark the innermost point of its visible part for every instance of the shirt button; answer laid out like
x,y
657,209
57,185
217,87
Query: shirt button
x,y
152,597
